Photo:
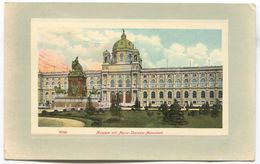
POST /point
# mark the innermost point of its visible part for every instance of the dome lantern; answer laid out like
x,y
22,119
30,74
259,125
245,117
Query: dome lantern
x,y
123,36
123,43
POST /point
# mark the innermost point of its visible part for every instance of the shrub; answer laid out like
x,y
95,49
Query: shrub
x,y
115,107
44,113
95,118
146,108
175,116
113,119
96,124
55,112
91,111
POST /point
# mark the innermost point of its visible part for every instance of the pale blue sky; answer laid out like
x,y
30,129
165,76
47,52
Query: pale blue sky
x,y
180,46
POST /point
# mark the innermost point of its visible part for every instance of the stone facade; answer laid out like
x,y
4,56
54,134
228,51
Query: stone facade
x,y
122,72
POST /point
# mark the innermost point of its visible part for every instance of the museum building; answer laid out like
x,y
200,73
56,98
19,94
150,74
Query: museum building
x,y
122,73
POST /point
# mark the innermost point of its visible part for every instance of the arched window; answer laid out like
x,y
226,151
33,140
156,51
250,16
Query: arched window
x,y
202,82
211,82
169,95
128,97
127,83
161,84
178,94
186,83
145,83
129,57
220,94
47,83
178,84
152,83
194,83
202,95
186,94
120,83
153,95
170,85
194,94
145,95
112,83
219,82
161,95
135,58
211,94
121,57
52,83
46,93
99,83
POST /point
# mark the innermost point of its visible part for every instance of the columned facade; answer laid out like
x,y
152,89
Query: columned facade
x,y
122,73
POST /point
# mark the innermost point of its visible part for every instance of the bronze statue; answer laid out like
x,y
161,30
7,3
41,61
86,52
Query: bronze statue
x,y
76,68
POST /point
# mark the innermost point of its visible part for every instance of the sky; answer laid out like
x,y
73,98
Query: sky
x,y
177,47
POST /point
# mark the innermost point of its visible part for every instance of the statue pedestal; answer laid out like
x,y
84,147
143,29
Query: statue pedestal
x,y
76,98
76,103
77,86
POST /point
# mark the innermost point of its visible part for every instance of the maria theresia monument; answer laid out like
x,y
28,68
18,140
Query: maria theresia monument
x,y
77,80
77,96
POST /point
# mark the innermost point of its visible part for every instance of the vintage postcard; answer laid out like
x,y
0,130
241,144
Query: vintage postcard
x,y
129,77
93,81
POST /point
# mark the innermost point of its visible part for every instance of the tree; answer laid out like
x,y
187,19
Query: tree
x,y
115,107
137,105
215,108
150,104
204,109
90,108
164,109
175,116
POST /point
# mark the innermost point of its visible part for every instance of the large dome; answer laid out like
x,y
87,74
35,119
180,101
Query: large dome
x,y
123,43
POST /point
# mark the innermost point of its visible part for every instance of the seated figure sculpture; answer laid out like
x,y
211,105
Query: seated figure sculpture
x,y
76,68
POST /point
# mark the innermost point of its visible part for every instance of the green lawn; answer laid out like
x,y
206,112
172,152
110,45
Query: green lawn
x,y
139,119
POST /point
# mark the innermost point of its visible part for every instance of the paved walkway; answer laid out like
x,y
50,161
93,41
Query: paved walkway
x,y
59,122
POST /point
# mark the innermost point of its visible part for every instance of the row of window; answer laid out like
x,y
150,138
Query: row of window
x,y
178,75
194,83
178,94
120,83
169,83
47,93
121,58
53,78
53,83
